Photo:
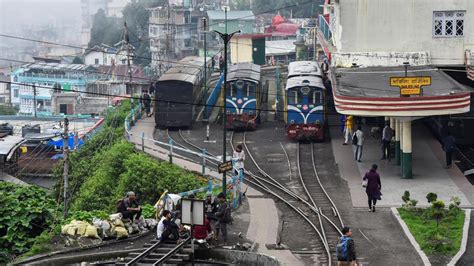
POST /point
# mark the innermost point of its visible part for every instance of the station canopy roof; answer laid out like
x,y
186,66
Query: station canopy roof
x,y
367,92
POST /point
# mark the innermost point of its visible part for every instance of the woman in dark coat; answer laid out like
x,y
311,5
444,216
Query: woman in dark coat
x,y
373,187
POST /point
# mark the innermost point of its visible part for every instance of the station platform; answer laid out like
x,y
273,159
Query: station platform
x,y
429,174
262,220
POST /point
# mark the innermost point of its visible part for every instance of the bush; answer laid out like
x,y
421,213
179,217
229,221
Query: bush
x,y
454,204
431,197
148,211
437,210
406,196
25,213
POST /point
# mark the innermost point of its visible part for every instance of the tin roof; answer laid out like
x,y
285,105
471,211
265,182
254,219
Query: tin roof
x,y
8,143
246,71
231,15
304,81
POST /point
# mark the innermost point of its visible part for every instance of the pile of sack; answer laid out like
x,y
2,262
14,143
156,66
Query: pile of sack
x,y
114,227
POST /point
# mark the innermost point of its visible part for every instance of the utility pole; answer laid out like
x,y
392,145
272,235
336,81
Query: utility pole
x,y
204,25
226,38
127,43
66,164
34,99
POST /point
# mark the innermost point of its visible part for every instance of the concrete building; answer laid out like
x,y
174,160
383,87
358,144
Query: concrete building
x,y
107,55
45,77
5,93
422,32
115,7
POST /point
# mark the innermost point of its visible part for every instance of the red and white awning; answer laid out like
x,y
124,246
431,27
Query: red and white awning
x,y
455,103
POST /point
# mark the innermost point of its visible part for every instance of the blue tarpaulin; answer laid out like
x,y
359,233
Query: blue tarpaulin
x,y
58,142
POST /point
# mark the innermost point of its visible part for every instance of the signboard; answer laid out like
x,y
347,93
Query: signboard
x,y
410,85
192,212
224,167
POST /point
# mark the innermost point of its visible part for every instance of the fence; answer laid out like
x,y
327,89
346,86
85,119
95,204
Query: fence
x,y
235,181
324,27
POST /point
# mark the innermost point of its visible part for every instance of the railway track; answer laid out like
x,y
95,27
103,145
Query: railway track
x,y
158,253
317,209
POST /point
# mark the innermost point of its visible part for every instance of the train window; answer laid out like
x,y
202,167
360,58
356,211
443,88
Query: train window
x,y
292,96
315,98
233,90
250,91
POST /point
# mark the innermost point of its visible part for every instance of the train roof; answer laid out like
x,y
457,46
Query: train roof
x,y
245,71
187,69
304,81
304,68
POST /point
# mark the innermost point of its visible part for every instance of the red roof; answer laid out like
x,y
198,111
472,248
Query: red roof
x,y
277,20
287,27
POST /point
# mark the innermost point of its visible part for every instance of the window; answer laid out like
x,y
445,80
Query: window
x,y
15,93
96,61
292,97
315,97
448,23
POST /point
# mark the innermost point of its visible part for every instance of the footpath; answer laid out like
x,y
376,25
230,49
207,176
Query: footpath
x,y
263,217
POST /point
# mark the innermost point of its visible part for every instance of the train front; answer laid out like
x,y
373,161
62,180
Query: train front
x,y
241,104
305,109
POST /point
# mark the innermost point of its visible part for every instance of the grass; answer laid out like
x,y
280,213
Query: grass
x,y
442,239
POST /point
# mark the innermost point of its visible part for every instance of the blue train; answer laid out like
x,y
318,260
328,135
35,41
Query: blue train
x,y
305,98
244,96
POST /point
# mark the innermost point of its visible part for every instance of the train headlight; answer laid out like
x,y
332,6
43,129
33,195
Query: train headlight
x,y
292,121
250,112
228,112
318,122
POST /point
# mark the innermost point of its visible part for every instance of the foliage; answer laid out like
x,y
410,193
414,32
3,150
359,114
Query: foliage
x,y
8,110
454,204
437,210
98,191
406,196
435,238
148,211
106,30
77,60
431,197
86,216
26,212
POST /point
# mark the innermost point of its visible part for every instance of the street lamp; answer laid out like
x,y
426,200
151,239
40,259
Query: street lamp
x,y
226,38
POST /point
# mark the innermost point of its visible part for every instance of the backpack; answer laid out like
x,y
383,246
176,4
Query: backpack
x,y
354,139
342,249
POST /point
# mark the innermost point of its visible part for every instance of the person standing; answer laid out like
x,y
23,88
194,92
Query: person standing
x,y
221,63
146,101
347,130
223,216
373,187
449,145
238,157
345,248
358,142
387,135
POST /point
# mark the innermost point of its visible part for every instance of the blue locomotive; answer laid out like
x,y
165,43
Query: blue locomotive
x,y
305,94
243,96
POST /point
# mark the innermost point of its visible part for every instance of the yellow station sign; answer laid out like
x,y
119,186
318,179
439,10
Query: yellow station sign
x,y
410,85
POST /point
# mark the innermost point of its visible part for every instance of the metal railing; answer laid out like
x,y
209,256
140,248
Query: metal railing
x,y
325,28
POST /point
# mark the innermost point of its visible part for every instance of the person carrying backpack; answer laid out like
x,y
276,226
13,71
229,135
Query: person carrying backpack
x,y
345,248
224,217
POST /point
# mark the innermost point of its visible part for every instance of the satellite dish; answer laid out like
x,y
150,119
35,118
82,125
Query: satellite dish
x,y
201,9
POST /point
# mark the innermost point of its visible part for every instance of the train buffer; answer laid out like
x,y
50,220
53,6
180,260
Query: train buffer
x,y
158,253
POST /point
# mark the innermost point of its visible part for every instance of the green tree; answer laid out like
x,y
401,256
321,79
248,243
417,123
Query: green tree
x,y
105,29
7,110
77,60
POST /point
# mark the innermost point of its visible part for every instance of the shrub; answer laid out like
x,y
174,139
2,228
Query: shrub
x,y
148,211
431,197
454,203
25,213
437,210
406,196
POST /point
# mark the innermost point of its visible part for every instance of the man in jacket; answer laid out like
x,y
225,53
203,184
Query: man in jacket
x,y
346,255
387,135
222,218
449,145
358,142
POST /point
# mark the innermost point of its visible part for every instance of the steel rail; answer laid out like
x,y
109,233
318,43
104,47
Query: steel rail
x,y
172,252
143,254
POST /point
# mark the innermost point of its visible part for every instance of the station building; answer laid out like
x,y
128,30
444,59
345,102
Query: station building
x,y
391,58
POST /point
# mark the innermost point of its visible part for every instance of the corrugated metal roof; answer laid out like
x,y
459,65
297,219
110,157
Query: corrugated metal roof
x,y
304,68
188,70
56,66
231,15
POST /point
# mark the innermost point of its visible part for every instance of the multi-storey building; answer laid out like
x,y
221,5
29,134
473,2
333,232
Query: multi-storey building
x,y
107,55
5,90
45,77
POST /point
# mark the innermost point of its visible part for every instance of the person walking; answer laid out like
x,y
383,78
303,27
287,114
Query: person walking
x,y
223,216
373,187
146,102
387,135
345,248
238,157
358,142
449,145
347,129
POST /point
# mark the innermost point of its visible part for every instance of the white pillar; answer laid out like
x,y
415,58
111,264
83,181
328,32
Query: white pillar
x,y
407,151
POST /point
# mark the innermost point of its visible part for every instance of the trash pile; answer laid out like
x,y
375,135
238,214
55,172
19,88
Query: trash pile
x,y
112,228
